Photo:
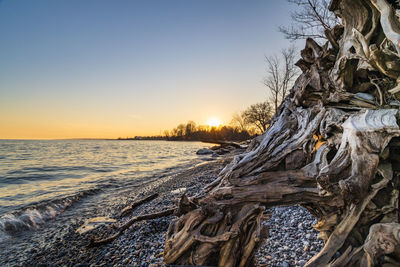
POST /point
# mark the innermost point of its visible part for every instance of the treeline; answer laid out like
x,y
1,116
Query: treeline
x,y
155,137
191,132
243,126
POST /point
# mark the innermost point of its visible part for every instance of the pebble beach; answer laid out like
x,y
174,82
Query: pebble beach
x,y
292,239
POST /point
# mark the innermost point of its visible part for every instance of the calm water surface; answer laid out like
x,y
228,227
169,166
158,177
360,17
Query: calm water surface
x,y
40,179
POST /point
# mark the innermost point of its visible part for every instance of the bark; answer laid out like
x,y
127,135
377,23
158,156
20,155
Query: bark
x,y
332,147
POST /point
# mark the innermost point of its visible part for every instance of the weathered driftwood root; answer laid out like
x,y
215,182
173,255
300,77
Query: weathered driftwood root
x,y
383,239
183,206
333,147
125,211
129,223
224,223
343,229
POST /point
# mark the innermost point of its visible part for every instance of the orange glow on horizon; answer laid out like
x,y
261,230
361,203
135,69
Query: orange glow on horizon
x,y
214,122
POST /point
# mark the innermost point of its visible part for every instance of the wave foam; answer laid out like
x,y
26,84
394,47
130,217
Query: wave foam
x,y
33,217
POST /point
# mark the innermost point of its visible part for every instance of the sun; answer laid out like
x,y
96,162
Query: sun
x,y
214,122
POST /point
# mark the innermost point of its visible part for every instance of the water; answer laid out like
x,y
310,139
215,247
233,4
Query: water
x,y
40,180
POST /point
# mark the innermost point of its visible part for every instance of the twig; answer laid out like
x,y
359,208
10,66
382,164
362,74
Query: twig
x,y
164,213
129,208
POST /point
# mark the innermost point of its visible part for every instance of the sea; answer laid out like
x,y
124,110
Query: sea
x,y
44,183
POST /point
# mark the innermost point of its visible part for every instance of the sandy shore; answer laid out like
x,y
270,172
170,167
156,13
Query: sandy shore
x,y
292,241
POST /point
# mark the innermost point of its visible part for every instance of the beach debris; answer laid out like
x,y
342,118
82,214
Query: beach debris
x,y
122,228
204,151
178,191
223,143
93,223
183,205
136,204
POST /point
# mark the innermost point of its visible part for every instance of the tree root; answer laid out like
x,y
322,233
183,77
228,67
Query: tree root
x,y
94,243
322,150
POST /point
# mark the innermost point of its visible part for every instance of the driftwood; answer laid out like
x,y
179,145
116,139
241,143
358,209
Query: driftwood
x,y
125,226
333,146
125,211
183,206
93,242
223,143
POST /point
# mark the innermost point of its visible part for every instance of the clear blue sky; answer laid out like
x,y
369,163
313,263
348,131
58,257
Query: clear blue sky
x,y
98,68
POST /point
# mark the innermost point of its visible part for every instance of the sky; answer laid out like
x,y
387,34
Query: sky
x,y
114,68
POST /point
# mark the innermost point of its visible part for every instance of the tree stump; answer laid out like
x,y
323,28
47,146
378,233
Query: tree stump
x,y
332,147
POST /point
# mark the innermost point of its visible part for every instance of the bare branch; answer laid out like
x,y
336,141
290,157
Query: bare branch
x,y
281,73
311,20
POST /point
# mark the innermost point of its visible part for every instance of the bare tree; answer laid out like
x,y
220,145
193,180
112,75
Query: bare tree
x,y
281,73
312,19
166,134
238,121
258,115
190,129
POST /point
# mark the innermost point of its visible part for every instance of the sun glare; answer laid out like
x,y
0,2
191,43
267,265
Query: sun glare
x,y
214,122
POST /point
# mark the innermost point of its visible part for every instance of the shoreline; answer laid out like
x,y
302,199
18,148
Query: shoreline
x,y
292,240
142,244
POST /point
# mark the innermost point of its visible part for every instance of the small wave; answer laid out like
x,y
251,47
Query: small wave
x,y
31,177
58,169
34,216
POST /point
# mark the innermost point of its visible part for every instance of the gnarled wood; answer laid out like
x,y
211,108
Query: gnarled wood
x,y
329,147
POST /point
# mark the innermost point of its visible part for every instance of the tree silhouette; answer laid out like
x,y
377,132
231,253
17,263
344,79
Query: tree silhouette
x,y
259,115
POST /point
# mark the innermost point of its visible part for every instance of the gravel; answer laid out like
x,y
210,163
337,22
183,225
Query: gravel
x,y
292,240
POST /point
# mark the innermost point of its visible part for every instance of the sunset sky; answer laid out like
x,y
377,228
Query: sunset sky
x,y
108,69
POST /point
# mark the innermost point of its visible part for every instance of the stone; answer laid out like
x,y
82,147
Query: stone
x,y
204,151
302,263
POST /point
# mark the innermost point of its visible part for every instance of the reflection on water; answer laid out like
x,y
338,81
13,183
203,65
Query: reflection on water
x,y
35,172
47,186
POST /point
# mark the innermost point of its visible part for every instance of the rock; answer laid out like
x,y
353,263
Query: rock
x,y
302,263
94,223
179,190
285,264
337,254
204,151
308,236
